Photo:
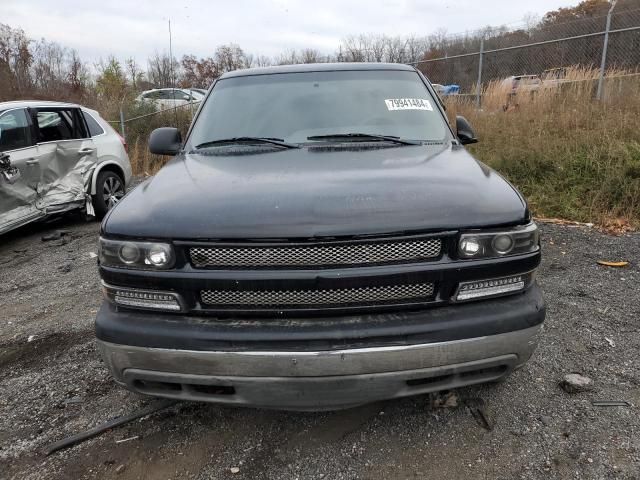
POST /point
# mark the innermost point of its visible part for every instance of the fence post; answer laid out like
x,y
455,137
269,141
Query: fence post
x,y
603,61
479,84
122,132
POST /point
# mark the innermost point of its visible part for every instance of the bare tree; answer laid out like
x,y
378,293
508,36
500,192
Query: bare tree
x,y
377,46
230,57
78,74
352,49
48,66
289,57
198,73
310,55
259,61
135,72
162,70
15,62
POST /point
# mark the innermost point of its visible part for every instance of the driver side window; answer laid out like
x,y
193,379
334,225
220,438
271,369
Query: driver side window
x,y
15,132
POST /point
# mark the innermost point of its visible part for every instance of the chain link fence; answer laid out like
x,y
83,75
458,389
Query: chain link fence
x,y
608,45
136,122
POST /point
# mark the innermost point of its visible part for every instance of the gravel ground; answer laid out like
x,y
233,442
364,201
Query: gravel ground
x,y
53,385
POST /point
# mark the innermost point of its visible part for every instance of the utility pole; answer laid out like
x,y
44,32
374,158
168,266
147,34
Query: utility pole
x,y
479,84
603,61
173,77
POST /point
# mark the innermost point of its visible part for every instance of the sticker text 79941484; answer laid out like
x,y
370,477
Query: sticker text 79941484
x,y
408,104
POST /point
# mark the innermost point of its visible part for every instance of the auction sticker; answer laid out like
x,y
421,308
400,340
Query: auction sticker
x,y
408,104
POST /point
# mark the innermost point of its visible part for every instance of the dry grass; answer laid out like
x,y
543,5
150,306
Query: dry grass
x,y
138,131
573,157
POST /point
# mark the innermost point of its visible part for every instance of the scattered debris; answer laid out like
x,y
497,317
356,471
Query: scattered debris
x,y
31,338
574,383
234,470
80,437
610,342
72,401
446,400
562,221
610,403
607,263
64,268
478,409
93,255
615,226
135,437
545,420
55,235
120,468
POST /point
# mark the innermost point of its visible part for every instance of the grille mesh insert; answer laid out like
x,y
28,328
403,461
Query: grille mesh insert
x,y
333,297
316,255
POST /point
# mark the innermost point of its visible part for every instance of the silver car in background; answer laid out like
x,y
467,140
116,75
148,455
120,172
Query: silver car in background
x,y
56,157
163,98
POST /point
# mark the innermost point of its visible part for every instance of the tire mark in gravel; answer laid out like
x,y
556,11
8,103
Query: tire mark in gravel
x,y
28,354
329,428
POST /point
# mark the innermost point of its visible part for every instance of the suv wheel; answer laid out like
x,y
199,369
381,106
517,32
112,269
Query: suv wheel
x,y
109,191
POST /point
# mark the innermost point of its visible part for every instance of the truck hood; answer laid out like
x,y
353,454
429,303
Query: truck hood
x,y
317,191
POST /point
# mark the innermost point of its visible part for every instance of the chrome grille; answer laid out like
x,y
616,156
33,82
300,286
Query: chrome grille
x,y
316,255
333,297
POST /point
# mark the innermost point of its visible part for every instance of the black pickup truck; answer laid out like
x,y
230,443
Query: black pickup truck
x,y
321,239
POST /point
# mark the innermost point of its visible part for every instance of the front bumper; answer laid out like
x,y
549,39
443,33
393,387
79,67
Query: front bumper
x,y
318,364
320,380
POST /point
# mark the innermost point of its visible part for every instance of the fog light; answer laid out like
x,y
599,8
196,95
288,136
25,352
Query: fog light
x,y
145,299
491,287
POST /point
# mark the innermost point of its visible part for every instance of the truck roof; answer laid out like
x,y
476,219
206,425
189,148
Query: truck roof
x,y
317,67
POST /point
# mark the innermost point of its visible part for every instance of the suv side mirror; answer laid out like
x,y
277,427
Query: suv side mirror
x,y
464,131
165,141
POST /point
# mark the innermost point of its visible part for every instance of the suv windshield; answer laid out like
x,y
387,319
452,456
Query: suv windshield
x,y
296,106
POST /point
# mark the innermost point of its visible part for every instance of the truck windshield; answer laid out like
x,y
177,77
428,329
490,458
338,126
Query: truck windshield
x,y
296,106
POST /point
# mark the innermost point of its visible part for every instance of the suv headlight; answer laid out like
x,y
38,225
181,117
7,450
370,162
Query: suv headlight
x,y
132,254
499,243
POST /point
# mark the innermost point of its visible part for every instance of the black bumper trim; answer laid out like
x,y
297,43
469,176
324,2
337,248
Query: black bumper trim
x,y
437,324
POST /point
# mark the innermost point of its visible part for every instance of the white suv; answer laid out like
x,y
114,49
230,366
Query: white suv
x,y
171,97
56,157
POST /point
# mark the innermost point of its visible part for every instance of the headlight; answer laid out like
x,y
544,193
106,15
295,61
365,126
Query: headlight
x,y
129,254
488,244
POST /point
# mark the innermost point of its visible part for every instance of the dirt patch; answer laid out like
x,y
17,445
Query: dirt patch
x,y
30,353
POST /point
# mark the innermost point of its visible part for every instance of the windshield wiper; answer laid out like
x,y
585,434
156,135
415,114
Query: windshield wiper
x,y
365,137
273,141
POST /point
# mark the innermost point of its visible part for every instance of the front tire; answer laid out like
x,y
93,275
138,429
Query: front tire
x,y
109,191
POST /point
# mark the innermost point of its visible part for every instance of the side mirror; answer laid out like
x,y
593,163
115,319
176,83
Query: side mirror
x,y
165,141
464,131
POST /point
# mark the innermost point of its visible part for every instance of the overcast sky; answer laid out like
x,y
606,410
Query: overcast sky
x,y
138,28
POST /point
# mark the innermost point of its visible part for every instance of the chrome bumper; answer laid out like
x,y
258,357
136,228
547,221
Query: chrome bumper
x,y
318,380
